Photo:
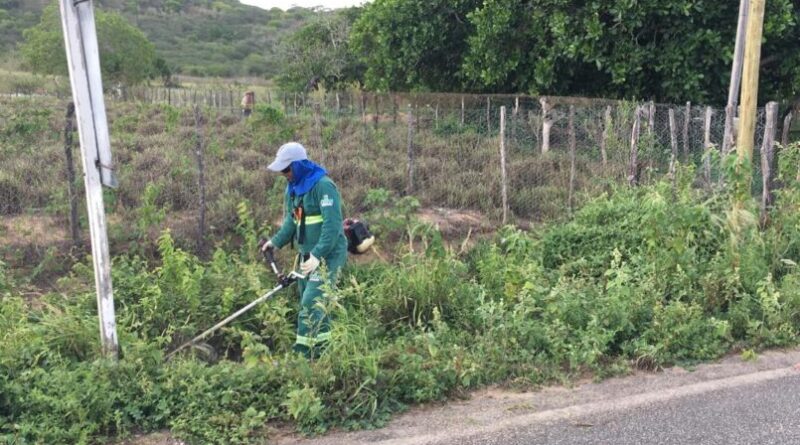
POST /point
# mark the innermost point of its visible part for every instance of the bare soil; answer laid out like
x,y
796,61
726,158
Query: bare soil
x,y
24,230
20,232
456,223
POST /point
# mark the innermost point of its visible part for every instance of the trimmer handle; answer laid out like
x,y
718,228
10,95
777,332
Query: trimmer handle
x,y
269,255
286,280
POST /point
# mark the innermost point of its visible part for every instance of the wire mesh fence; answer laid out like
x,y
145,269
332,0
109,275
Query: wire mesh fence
x,y
188,161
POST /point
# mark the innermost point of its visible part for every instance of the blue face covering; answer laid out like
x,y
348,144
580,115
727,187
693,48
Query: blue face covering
x,y
305,175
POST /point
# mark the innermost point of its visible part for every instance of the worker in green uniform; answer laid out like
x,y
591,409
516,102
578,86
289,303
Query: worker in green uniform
x,y
313,220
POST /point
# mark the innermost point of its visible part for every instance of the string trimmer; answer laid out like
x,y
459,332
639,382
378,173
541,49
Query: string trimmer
x,y
284,281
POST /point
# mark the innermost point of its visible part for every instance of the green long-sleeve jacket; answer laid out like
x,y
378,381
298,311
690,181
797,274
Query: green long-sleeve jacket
x,y
324,235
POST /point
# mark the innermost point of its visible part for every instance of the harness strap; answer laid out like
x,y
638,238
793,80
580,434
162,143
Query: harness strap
x,y
301,219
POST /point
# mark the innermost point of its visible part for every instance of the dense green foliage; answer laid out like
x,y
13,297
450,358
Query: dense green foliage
x,y
319,52
15,17
669,51
126,55
413,45
666,51
639,278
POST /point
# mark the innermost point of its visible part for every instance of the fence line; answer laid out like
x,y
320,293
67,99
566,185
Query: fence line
x,y
451,151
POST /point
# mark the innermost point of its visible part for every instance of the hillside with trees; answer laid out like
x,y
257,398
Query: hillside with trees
x,y
673,51
196,37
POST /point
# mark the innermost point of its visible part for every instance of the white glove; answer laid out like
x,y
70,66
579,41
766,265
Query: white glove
x,y
309,265
266,246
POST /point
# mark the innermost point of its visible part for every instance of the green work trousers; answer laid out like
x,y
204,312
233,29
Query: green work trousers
x,y
313,320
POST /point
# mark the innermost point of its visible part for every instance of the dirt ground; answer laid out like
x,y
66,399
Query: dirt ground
x,y
456,223
19,230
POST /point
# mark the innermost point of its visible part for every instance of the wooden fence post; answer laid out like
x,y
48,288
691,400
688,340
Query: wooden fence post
x,y
728,137
376,116
673,139
547,124
534,126
687,118
462,111
607,127
572,148
318,128
633,167
787,125
362,103
74,222
651,118
514,117
410,185
488,115
767,162
394,109
201,182
707,146
503,174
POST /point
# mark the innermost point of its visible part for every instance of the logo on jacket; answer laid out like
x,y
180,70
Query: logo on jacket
x,y
326,201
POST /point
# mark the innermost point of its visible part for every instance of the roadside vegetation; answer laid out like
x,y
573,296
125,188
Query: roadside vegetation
x,y
606,280
638,278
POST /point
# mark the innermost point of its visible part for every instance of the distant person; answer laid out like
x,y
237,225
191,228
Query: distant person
x,y
248,101
313,221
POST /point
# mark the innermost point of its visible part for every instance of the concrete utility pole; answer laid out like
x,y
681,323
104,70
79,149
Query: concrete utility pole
x,y
80,38
736,76
749,101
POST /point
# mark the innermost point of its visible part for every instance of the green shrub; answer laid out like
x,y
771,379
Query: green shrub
x,y
681,332
266,115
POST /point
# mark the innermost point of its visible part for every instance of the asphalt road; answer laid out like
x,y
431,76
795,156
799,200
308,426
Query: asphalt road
x,y
763,413
729,402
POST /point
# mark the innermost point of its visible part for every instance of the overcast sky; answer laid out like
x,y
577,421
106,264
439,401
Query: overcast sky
x,y
286,4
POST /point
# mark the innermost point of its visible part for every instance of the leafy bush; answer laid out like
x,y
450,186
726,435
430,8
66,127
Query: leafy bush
x,y
25,124
266,115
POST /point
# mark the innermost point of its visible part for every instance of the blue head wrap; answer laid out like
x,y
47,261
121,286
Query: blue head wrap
x,y
305,175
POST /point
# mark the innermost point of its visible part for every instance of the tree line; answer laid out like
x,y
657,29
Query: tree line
x,y
663,50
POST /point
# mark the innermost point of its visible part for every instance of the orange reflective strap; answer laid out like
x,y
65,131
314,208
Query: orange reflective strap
x,y
298,214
